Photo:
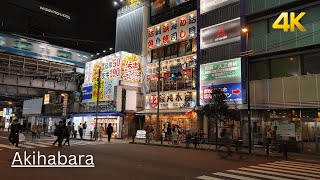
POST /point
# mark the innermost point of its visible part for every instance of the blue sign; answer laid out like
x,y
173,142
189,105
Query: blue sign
x,y
233,91
87,93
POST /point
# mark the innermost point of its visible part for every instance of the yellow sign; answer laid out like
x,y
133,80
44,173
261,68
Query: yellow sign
x,y
294,22
46,99
133,2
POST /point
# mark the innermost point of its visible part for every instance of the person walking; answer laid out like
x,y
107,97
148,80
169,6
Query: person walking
x,y
59,132
109,131
84,127
44,128
80,130
39,130
14,134
34,131
100,132
67,134
169,131
74,131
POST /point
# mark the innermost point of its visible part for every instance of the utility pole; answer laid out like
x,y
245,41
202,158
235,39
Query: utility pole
x,y
97,107
158,99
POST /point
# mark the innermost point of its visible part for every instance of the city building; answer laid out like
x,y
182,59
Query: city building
x,y
284,73
220,62
172,50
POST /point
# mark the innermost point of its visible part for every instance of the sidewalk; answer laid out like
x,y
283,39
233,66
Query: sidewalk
x,y
256,151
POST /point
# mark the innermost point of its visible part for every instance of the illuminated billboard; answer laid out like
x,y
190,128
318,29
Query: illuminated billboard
x,y
209,5
113,68
158,6
224,75
172,31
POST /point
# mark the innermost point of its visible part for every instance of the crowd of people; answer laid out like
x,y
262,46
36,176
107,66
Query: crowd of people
x,y
62,131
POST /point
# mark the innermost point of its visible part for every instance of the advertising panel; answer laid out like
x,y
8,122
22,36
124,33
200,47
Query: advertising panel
x,y
46,99
171,100
220,34
224,75
113,68
209,5
172,31
158,6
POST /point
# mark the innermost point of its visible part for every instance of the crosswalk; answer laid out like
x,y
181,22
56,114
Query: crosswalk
x,y
279,170
43,144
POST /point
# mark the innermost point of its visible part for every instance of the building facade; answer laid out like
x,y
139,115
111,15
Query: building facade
x,y
170,69
284,74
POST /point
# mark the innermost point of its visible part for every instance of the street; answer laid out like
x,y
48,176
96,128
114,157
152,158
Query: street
x,y
121,160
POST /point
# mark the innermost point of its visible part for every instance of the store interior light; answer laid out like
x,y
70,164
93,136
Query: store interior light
x,y
104,51
110,49
244,30
98,54
10,102
115,3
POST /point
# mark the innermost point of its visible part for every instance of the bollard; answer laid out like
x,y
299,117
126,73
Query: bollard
x,y
133,136
285,150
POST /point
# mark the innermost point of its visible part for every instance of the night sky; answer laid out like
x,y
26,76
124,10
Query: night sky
x,y
96,19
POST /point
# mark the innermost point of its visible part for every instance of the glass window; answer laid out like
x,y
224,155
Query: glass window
x,y
311,63
64,54
259,70
285,67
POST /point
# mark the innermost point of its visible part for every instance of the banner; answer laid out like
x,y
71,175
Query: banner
x,y
113,68
178,29
220,34
171,100
209,5
224,75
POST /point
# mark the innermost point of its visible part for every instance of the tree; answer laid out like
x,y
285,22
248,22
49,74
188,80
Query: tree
x,y
217,110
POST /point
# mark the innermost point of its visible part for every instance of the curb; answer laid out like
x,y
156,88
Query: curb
x,y
208,150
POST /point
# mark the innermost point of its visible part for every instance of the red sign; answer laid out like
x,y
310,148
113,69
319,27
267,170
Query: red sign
x,y
221,34
183,34
150,33
206,94
153,101
183,22
237,91
165,28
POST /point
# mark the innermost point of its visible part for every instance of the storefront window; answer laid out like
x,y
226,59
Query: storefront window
x,y
311,63
285,67
259,70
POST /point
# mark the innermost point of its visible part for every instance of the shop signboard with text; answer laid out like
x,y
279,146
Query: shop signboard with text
x,y
171,100
224,75
172,31
209,5
113,68
220,34
158,6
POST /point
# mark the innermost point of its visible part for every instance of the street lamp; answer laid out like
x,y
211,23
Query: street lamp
x,y
245,31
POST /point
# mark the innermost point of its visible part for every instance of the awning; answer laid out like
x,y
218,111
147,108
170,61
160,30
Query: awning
x,y
99,114
165,111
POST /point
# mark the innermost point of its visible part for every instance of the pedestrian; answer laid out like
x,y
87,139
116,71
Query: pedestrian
x,y
151,133
169,132
67,134
174,135
80,130
34,131
44,128
84,127
100,132
74,131
109,131
269,136
14,134
147,134
39,130
59,132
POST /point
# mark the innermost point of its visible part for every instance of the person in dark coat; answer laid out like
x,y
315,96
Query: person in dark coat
x,y
59,132
14,134
68,130
109,131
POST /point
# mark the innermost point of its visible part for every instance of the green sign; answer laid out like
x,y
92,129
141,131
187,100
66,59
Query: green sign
x,y
228,70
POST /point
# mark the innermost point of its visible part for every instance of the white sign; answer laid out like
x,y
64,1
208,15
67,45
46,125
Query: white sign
x,y
141,134
54,12
209,5
46,99
172,31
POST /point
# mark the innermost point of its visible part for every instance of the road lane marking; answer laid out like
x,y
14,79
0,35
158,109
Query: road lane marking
x,y
26,146
208,178
257,175
286,171
35,144
307,164
233,176
293,165
8,146
290,168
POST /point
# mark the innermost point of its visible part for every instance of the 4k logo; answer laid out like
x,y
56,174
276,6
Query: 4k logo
x,y
294,22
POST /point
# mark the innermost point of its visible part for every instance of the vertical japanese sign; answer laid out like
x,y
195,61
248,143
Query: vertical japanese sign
x,y
224,75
